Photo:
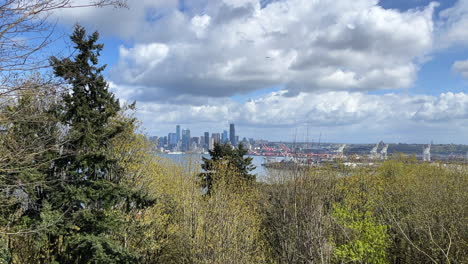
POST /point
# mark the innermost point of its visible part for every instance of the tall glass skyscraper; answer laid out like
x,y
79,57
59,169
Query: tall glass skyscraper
x,y
224,137
186,140
232,135
172,140
178,133
207,140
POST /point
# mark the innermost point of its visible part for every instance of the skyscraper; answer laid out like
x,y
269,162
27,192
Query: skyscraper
x,y
224,137
207,140
216,138
202,141
194,143
185,140
211,144
232,134
172,138
178,132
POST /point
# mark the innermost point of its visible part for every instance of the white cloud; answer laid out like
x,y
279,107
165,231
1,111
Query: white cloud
x,y
448,106
347,115
461,67
453,26
142,59
346,108
223,48
182,65
123,22
200,24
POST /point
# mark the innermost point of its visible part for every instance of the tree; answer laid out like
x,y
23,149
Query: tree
x,y
425,207
25,31
29,146
228,225
367,240
228,156
297,220
91,196
87,111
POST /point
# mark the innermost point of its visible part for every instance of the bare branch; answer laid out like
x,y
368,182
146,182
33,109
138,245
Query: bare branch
x,y
26,29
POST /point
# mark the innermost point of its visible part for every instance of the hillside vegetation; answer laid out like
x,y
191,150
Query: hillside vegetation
x,y
80,184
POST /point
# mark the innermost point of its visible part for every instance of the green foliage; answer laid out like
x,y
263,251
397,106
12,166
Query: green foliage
x,y
29,146
5,254
87,110
226,155
297,224
368,240
425,207
78,185
229,226
89,192
85,248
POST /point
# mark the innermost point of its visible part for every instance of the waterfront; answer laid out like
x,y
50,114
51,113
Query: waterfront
x,y
185,158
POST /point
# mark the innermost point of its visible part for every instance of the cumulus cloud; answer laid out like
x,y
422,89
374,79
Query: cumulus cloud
x,y
123,22
345,108
446,107
182,60
461,67
453,26
334,110
223,48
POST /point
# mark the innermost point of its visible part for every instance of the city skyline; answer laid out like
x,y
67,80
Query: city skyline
x,y
234,131
304,139
297,135
183,140
355,71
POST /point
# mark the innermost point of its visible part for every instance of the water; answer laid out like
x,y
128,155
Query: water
x,y
257,161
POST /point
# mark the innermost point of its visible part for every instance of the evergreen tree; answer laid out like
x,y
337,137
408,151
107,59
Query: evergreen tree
x,y
28,145
231,157
91,195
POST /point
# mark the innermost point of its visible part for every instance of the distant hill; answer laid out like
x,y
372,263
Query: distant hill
x,y
439,149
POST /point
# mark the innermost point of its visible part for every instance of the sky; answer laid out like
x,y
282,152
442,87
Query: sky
x,y
356,71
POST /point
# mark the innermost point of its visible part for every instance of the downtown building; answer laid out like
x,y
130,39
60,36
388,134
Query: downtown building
x,y
186,146
232,135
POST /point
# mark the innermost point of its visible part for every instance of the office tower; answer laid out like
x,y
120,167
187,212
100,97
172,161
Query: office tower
x,y
178,132
237,140
211,144
194,143
202,142
232,134
161,142
185,140
224,137
216,138
172,138
207,140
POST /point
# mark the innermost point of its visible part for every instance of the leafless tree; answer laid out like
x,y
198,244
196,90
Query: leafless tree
x,y
26,29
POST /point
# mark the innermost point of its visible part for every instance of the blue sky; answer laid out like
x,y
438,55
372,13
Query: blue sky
x,y
404,5
355,71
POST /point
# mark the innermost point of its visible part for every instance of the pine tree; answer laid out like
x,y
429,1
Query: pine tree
x,y
91,196
232,158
